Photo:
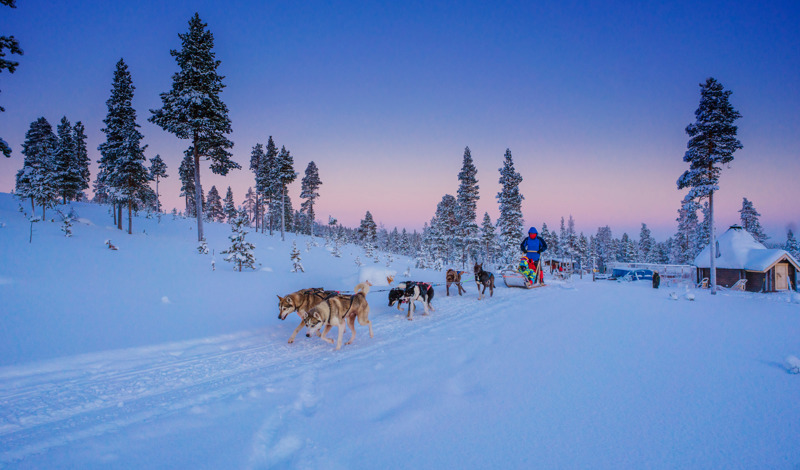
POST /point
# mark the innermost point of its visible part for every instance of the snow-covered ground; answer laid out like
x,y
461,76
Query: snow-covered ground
x,y
146,358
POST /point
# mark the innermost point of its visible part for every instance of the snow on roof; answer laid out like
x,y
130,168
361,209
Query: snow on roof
x,y
739,250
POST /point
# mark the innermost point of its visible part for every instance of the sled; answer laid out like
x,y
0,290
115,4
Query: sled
x,y
515,279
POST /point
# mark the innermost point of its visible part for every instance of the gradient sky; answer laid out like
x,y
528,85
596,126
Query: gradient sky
x,y
592,98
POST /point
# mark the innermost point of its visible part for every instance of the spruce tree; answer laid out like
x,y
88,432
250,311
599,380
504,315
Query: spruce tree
x,y
792,246
284,175
488,238
214,210
467,238
82,159
35,179
229,207
749,217
67,178
158,170
712,144
267,183
249,203
646,245
309,191
257,159
10,43
240,253
510,199
122,162
193,109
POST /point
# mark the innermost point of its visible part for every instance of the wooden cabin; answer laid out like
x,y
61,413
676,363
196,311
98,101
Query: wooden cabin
x,y
740,256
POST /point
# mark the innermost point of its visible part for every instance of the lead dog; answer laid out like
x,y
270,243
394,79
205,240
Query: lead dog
x,y
339,311
301,302
454,277
410,292
483,279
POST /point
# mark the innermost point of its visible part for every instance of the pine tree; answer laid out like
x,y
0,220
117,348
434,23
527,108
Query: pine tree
x,y
510,199
122,162
749,217
241,251
82,159
214,210
267,183
295,257
284,174
257,159
10,43
443,229
249,203
792,246
193,109
158,170
685,245
35,179
488,238
604,247
646,245
67,178
310,185
467,238
229,207
186,175
712,144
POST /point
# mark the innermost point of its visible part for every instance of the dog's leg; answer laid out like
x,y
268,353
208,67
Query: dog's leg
x,y
351,322
342,325
410,310
448,289
325,332
296,330
491,287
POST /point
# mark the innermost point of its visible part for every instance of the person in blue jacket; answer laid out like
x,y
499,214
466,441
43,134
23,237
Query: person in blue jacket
x,y
532,246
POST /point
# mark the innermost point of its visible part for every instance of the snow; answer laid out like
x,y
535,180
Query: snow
x,y
97,371
739,250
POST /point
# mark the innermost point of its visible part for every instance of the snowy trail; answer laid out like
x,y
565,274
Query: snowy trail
x,y
65,400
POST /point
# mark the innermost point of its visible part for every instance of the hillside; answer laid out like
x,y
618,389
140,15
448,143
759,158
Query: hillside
x,y
146,358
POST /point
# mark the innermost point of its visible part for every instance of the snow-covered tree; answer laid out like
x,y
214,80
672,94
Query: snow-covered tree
x,y
285,175
646,245
712,144
186,175
35,179
467,235
685,242
241,251
249,203
81,157
310,186
509,224
267,184
193,108
123,157
791,245
444,228
214,210
158,170
229,207
749,217
10,43
488,238
257,159
68,177
604,247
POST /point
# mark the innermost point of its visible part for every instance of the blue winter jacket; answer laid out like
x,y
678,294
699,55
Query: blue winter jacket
x,y
533,246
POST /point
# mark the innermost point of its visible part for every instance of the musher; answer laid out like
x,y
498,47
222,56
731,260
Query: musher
x,y
532,246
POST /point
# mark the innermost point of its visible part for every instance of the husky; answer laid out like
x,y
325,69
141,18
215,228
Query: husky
x,y
301,302
411,291
364,286
339,311
483,279
454,277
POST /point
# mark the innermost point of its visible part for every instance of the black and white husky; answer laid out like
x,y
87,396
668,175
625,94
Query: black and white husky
x,y
410,292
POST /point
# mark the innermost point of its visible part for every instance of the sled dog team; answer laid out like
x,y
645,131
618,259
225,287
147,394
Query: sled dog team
x,y
320,310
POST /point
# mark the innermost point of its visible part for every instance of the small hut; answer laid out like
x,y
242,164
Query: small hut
x,y
740,256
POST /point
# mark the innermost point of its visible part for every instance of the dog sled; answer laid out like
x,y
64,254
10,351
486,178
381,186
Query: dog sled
x,y
515,279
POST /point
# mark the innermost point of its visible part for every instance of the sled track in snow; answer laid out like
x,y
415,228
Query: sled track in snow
x,y
69,399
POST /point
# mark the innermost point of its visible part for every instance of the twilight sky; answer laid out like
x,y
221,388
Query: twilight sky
x,y
592,98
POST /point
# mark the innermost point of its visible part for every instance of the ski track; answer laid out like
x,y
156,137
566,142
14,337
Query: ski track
x,y
50,404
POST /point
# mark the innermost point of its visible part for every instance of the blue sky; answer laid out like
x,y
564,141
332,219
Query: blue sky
x,y
592,98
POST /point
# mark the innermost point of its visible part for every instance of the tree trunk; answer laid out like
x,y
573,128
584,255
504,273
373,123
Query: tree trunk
x,y
257,212
33,207
311,216
130,218
198,192
158,202
283,213
712,244
119,216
